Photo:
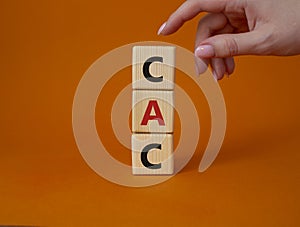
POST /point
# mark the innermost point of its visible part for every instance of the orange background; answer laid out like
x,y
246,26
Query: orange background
x,y
46,46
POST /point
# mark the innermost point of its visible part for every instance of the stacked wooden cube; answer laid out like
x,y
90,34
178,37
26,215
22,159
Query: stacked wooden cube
x,y
153,75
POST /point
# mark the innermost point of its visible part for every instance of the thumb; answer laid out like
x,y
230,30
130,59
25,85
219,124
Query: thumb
x,y
228,45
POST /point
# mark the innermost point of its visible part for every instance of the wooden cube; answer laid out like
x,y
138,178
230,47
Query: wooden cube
x,y
152,111
152,154
153,67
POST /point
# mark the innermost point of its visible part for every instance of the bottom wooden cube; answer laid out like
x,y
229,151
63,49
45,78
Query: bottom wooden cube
x,y
152,154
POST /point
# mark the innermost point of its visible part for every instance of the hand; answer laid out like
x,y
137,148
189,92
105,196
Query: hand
x,y
239,27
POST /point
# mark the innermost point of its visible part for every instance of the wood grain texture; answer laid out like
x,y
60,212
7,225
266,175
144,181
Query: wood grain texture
x,y
142,101
160,157
163,68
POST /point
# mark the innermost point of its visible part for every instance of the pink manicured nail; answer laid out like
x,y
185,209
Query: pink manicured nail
x,y
161,28
205,51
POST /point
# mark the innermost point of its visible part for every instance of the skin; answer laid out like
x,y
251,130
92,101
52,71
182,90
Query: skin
x,y
239,27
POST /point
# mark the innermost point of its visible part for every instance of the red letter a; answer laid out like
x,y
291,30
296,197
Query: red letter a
x,y
158,116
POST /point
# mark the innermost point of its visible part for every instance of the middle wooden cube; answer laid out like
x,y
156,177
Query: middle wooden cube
x,y
152,111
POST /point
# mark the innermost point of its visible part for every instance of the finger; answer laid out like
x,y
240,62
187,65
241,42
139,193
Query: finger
x,y
210,24
222,66
218,68
188,10
257,42
230,65
228,62
207,26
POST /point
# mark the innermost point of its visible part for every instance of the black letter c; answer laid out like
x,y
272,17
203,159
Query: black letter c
x,y
146,67
144,156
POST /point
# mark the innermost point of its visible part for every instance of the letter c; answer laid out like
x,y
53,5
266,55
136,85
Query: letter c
x,y
146,67
144,156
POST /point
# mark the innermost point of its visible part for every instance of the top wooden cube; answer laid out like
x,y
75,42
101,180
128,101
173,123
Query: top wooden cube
x,y
153,67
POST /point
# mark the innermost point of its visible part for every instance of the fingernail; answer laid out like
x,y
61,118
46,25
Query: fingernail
x,y
205,51
215,76
161,28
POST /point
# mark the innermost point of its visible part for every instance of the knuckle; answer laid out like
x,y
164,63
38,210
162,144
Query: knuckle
x,y
228,47
231,46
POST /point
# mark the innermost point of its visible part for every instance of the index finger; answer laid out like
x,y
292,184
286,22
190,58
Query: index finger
x,y
188,10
